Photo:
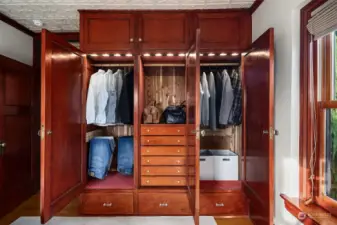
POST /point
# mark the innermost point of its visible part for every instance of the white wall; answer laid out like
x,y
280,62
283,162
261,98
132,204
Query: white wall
x,y
15,44
284,16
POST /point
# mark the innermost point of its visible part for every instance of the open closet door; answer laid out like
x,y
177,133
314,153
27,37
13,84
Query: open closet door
x,y
193,124
62,125
258,128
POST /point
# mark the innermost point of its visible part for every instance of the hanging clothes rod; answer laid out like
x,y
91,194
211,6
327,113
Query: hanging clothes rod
x,y
112,65
219,64
163,65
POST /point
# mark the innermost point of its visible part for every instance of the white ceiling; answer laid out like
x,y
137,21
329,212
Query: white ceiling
x,y
62,15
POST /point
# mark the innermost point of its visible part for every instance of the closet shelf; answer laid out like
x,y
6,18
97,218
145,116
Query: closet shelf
x,y
220,186
114,180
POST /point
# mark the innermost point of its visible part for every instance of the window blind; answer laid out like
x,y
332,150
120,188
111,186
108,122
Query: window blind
x,y
323,20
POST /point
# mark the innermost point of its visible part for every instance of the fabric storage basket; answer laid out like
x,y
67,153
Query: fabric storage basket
x,y
225,164
206,165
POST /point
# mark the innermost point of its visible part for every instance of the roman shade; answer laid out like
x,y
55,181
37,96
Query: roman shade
x,y
323,20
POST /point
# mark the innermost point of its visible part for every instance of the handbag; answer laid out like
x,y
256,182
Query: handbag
x,y
175,114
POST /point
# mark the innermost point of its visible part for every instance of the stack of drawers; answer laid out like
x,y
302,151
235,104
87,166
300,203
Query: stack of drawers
x,y
164,157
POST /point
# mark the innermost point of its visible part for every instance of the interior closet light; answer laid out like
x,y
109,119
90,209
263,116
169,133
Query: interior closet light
x,y
158,54
38,23
181,54
93,55
147,54
117,55
169,54
105,55
211,54
223,54
128,55
201,54
235,54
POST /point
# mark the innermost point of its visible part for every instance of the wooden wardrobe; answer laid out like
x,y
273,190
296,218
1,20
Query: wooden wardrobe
x,y
166,178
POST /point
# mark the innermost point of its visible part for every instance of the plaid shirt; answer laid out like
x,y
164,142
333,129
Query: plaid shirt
x,y
235,116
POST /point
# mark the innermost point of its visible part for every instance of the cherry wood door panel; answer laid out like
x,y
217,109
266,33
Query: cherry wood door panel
x,y
163,204
258,126
165,170
167,129
62,143
107,203
106,31
163,151
225,31
164,181
230,204
163,31
16,175
193,123
162,140
165,161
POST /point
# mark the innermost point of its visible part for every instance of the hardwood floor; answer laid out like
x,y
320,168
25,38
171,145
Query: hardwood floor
x,y
31,207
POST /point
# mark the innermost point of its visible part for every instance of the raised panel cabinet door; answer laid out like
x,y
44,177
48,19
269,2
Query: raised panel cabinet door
x,y
258,128
230,31
16,88
193,123
62,124
163,31
106,31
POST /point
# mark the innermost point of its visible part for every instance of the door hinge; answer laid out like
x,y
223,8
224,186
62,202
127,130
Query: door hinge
x,y
41,132
272,132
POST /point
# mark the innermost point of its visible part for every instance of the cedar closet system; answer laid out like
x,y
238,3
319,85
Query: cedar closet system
x,y
166,179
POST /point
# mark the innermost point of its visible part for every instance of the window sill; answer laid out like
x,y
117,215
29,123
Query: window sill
x,y
308,215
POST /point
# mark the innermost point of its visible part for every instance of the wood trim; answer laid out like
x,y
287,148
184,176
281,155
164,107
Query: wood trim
x,y
16,25
255,6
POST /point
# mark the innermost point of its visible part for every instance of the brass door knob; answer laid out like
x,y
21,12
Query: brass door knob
x,y
2,144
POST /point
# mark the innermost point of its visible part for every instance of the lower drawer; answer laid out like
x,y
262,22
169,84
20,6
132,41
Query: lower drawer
x,y
222,204
163,204
163,181
166,170
107,203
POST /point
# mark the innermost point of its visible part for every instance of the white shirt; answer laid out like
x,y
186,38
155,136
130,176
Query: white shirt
x,y
97,98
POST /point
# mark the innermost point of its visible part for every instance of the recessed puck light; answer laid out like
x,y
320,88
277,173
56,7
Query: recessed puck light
x,y
38,23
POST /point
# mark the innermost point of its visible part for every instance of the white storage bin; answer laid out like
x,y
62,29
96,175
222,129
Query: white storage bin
x,y
225,165
206,166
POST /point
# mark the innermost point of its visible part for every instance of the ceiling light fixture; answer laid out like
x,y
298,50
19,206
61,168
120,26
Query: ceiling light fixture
x,y
223,54
147,54
169,54
158,54
105,55
211,54
201,54
38,23
128,55
181,54
93,55
235,54
117,55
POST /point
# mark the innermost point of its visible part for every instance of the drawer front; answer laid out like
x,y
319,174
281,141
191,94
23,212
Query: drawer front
x,y
163,204
222,204
163,181
164,161
165,170
163,140
158,130
106,203
163,150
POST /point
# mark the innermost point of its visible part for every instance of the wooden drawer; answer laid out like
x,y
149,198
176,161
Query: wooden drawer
x,y
222,204
164,161
163,181
163,140
165,170
107,203
158,130
163,204
163,150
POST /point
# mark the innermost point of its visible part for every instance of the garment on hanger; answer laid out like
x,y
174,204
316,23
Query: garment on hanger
x,y
119,86
100,156
212,102
227,99
236,111
201,99
218,77
97,99
125,104
205,101
112,97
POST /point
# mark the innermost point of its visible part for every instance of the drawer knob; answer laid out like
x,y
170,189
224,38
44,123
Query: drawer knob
x,y
178,141
178,131
107,204
147,181
178,171
219,205
163,204
178,161
147,151
178,181
178,150
148,171
148,161
131,39
140,40
147,141
148,130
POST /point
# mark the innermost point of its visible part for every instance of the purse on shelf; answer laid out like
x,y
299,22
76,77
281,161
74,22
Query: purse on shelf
x,y
174,114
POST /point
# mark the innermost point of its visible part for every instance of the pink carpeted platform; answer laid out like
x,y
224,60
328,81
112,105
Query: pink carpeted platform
x,y
112,181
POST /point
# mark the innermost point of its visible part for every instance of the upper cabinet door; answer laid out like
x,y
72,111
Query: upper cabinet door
x,y
258,128
107,32
230,31
163,31
62,124
193,123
